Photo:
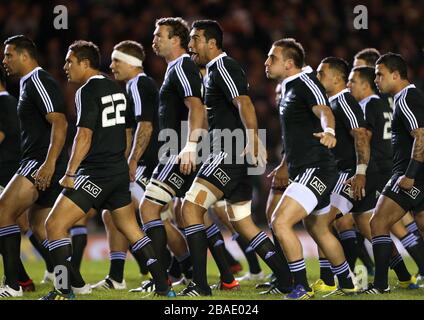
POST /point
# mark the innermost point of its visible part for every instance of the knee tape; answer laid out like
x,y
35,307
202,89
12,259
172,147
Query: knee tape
x,y
200,195
240,211
158,193
168,213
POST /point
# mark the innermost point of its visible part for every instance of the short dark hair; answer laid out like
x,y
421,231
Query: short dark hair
x,y
132,48
178,28
86,50
369,55
338,64
23,43
367,74
292,50
211,29
394,62
2,76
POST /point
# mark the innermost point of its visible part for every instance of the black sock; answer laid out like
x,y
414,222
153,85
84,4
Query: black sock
x,y
277,245
266,250
217,246
349,244
117,264
175,269
42,250
79,242
415,247
198,246
413,228
398,266
231,260
298,270
61,253
22,274
144,252
10,238
141,265
382,247
343,275
250,254
362,251
185,265
326,274
155,230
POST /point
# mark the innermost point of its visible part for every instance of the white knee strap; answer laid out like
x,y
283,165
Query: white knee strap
x,y
240,211
200,195
157,192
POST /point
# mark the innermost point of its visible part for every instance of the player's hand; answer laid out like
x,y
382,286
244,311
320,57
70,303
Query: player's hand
x,y
280,176
44,175
132,165
357,186
326,139
67,182
187,158
256,150
405,183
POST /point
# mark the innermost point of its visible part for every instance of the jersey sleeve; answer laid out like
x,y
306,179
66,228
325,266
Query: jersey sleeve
x,y
371,116
412,111
87,108
129,113
314,92
189,81
48,96
351,113
231,78
146,96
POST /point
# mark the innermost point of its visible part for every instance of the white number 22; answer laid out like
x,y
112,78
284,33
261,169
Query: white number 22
x,y
115,104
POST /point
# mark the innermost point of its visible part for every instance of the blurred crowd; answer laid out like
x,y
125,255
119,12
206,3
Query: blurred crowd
x,y
324,28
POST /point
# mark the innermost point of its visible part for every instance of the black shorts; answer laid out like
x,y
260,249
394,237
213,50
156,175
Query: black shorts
x,y
412,200
109,193
7,171
46,198
346,204
311,187
168,172
231,179
142,176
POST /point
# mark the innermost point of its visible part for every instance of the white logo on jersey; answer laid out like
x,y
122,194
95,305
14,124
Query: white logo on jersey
x,y
91,188
221,176
413,193
318,185
176,180
346,190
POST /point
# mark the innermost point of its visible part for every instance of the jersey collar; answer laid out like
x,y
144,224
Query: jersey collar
x,y
210,63
397,95
129,82
29,74
173,62
365,101
4,93
293,77
338,95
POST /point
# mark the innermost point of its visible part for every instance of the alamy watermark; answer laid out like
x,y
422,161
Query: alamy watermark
x,y
61,20
361,20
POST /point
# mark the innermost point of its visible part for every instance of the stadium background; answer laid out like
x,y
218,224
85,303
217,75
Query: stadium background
x,y
324,28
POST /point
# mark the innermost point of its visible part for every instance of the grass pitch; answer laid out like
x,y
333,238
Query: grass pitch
x,y
94,271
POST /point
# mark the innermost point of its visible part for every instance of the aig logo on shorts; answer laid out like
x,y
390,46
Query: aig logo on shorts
x,y
346,190
221,176
318,185
91,188
176,180
413,193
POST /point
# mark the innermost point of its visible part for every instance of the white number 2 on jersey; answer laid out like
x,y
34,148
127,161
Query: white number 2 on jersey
x,y
387,130
113,112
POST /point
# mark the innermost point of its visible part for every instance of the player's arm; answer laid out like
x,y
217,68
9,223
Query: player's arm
x,y
80,148
59,126
2,136
280,175
328,123
254,146
417,159
361,137
129,138
196,116
142,137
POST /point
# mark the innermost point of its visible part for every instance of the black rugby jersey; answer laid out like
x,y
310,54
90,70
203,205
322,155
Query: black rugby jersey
x,y
408,116
182,80
349,115
300,93
378,118
101,106
9,149
224,81
39,95
143,101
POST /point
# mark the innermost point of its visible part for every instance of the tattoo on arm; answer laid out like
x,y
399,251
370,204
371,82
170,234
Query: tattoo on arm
x,y
141,139
418,146
362,145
